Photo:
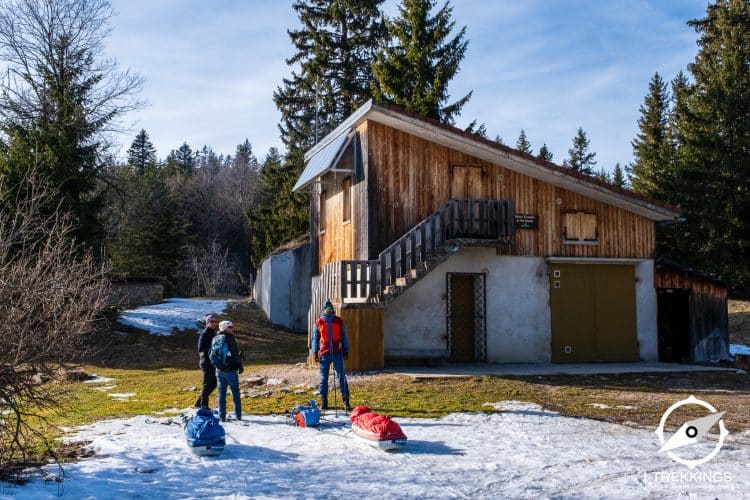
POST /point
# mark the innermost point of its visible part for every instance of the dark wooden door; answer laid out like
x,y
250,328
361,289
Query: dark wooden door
x,y
461,320
673,310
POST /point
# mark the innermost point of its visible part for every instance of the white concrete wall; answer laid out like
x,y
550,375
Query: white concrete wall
x,y
517,309
282,288
645,303
518,322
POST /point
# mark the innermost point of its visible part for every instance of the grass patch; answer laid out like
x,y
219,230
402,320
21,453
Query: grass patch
x,y
162,373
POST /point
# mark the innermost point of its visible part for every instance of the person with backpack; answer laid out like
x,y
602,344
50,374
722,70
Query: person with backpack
x,y
226,357
330,345
209,372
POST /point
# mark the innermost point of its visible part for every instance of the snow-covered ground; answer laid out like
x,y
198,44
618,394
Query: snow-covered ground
x,y
171,315
521,452
739,349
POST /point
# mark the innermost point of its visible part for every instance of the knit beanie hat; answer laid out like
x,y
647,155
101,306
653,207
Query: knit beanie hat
x,y
224,325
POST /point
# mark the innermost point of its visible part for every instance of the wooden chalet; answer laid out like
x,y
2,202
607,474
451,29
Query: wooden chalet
x,y
434,243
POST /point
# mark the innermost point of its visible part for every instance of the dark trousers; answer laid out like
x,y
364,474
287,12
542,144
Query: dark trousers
x,y
209,384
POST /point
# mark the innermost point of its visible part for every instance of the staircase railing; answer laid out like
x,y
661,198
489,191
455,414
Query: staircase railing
x,y
362,280
458,218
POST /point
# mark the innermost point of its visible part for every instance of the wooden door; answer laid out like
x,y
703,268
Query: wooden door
x,y
593,313
615,313
673,311
572,303
461,320
466,182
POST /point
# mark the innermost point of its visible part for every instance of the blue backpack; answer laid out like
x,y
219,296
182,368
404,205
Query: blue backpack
x,y
218,352
204,430
305,415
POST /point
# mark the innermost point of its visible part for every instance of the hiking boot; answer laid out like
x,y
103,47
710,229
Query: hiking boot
x,y
324,403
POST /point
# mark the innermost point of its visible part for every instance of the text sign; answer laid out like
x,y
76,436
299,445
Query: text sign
x,y
526,221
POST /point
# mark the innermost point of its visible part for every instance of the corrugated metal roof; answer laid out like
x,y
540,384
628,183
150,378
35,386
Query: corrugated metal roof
x,y
322,161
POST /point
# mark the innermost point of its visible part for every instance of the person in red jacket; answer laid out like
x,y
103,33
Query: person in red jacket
x,y
330,345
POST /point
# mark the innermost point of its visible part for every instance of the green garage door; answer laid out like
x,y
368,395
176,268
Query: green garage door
x,y
593,313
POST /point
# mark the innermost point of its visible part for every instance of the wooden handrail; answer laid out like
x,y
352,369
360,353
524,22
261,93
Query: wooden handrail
x,y
362,280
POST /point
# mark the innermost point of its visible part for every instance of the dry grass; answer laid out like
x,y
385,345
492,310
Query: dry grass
x,y
739,322
163,372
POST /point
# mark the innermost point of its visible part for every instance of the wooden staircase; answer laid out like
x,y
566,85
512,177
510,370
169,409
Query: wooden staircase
x,y
460,222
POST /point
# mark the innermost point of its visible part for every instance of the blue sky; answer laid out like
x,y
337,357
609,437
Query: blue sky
x,y
547,66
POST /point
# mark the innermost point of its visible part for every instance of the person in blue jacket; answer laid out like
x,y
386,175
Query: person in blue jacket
x,y
330,345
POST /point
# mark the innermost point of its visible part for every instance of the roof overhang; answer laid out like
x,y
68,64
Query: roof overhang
x,y
481,149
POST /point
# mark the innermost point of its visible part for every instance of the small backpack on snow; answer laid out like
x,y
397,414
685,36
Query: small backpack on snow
x,y
305,415
218,352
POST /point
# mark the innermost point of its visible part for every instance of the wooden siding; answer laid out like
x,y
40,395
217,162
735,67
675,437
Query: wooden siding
x,y
409,178
364,329
399,179
709,317
337,241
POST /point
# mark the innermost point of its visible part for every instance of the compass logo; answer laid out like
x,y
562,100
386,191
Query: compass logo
x,y
691,432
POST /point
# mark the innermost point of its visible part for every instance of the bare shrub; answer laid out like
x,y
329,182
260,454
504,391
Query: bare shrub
x,y
51,294
208,271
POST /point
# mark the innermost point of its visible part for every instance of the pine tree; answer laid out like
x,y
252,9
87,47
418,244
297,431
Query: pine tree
x,y
713,176
603,176
142,153
415,71
58,98
579,158
334,50
651,170
618,178
181,160
244,157
544,153
522,144
148,234
281,215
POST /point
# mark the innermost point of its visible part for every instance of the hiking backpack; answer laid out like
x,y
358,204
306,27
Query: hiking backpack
x,y
218,352
305,415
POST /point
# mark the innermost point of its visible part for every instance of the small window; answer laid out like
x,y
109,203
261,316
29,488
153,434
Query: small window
x,y
580,227
322,211
346,186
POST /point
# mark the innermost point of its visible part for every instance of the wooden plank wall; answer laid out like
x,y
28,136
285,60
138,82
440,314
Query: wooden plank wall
x,y
709,316
337,242
409,178
364,329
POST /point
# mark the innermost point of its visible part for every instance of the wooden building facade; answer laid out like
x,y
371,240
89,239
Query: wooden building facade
x,y
410,216
693,316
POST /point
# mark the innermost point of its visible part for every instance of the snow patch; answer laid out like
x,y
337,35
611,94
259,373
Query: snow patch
x,y
169,411
603,406
121,395
172,314
96,379
105,388
522,453
516,406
